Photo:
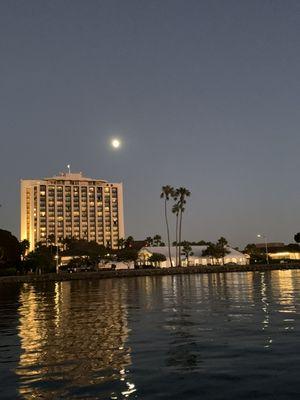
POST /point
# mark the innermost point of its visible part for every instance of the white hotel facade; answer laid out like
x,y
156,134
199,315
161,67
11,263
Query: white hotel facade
x,y
71,205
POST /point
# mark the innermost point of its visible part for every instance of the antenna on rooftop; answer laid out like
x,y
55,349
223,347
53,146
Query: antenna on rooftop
x,y
69,168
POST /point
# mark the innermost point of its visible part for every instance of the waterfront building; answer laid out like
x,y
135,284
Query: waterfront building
x,y
280,252
233,257
71,205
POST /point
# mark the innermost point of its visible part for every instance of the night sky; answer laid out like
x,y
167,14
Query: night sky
x,y
203,94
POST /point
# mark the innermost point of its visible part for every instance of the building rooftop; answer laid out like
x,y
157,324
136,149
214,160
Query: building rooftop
x,y
73,176
197,251
270,244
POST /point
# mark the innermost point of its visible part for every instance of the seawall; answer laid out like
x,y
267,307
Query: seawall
x,y
63,276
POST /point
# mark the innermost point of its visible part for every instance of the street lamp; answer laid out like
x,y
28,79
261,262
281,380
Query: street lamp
x,y
266,244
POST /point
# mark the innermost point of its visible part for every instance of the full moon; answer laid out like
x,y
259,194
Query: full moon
x,y
115,143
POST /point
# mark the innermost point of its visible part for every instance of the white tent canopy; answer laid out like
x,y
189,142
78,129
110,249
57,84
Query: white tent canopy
x,y
233,257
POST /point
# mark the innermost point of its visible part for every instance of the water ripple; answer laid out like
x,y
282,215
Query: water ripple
x,y
216,336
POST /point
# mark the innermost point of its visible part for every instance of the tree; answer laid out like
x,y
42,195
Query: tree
x,y
256,254
217,251
121,243
201,243
210,251
149,241
187,251
176,211
127,255
181,194
129,242
24,246
51,240
221,247
166,193
293,247
10,250
156,258
40,260
157,241
82,247
297,237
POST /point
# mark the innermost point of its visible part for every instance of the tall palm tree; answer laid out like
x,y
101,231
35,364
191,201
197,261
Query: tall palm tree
x,y
167,192
176,210
181,194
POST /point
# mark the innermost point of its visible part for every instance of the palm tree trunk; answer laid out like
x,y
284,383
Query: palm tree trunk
x,y
176,247
168,233
179,248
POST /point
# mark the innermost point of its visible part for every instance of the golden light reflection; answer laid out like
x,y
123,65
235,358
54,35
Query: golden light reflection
x,y
72,335
286,290
279,289
265,303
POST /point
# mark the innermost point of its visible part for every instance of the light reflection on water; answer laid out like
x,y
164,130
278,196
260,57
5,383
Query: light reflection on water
x,y
214,336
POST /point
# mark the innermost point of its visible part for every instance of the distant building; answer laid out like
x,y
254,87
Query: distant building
x,y
71,205
272,245
233,257
280,251
284,254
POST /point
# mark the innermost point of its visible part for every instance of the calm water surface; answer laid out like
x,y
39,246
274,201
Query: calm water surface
x,y
218,336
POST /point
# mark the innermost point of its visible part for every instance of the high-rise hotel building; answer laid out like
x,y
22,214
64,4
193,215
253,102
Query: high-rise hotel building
x,y
71,205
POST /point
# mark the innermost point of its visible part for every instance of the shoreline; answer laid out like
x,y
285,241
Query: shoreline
x,y
125,273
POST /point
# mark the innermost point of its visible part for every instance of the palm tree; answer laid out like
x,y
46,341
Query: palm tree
x,y
222,243
121,243
129,242
176,210
157,240
149,241
181,194
187,251
210,252
167,192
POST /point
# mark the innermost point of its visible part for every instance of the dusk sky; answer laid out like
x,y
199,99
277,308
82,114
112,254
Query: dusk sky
x,y
203,94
